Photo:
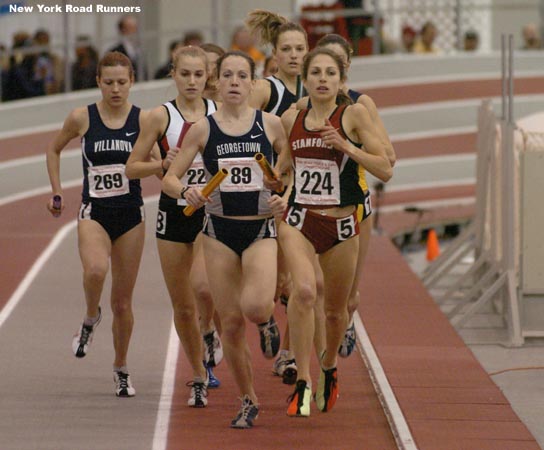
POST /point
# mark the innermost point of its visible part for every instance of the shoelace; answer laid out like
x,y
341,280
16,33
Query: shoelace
x,y
245,410
297,391
86,331
198,388
210,343
123,380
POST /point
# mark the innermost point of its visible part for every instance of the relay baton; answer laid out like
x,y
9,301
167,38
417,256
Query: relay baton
x,y
300,88
208,189
266,167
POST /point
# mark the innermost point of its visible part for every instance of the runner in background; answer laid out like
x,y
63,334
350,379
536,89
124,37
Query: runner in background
x,y
178,242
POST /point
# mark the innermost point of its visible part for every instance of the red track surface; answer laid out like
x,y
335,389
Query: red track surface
x,y
448,399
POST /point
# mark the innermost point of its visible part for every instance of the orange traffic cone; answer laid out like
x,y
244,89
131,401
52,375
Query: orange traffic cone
x,y
433,248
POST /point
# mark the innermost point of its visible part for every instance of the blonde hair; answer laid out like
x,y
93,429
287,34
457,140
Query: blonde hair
x,y
268,26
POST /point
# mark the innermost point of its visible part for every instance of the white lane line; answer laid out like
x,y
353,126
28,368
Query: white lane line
x,y
30,130
160,435
409,187
443,132
440,79
34,271
37,191
427,205
17,162
397,421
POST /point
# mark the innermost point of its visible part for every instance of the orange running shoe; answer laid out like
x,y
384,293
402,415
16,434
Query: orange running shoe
x,y
327,389
299,401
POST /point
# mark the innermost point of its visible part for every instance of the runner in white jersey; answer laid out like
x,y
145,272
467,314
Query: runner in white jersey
x,y
178,238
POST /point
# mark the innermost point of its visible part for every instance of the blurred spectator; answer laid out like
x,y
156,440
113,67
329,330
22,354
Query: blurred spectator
x,y
427,35
18,81
531,38
84,68
164,70
408,39
193,38
242,40
129,44
48,66
471,41
213,53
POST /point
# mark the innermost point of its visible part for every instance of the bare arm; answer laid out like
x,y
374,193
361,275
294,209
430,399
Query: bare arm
x,y
75,125
194,142
358,124
369,104
260,95
139,164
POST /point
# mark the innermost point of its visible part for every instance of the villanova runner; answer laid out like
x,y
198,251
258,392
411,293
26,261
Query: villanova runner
x,y
111,216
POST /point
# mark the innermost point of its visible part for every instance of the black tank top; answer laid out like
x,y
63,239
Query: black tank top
x,y
105,152
242,193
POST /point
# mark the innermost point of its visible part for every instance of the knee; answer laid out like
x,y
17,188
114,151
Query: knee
x,y
202,291
95,273
305,296
335,315
233,327
184,312
121,306
257,312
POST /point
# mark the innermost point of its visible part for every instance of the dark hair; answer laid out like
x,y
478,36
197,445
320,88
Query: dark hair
x,y
240,54
114,59
333,38
208,47
341,97
268,26
192,36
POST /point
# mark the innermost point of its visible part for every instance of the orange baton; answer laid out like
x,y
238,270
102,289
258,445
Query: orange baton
x,y
265,167
208,189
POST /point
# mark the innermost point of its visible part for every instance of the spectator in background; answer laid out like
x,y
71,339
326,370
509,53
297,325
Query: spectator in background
x,y
242,40
18,81
84,67
427,35
164,70
193,38
49,66
129,44
531,38
408,39
471,41
270,66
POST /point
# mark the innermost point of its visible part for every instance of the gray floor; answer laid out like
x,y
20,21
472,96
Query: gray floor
x,y
75,396
522,381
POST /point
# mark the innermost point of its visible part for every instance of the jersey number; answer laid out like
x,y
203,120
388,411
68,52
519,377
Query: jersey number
x,y
196,177
321,182
108,181
240,175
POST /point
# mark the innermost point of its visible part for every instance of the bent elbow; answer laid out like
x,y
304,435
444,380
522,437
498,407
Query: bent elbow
x,y
387,175
129,172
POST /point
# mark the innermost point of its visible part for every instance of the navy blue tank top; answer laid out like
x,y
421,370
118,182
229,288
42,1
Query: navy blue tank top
x,y
242,193
281,98
105,153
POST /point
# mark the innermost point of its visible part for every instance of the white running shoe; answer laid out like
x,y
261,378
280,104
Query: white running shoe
x,y
213,349
84,336
123,385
